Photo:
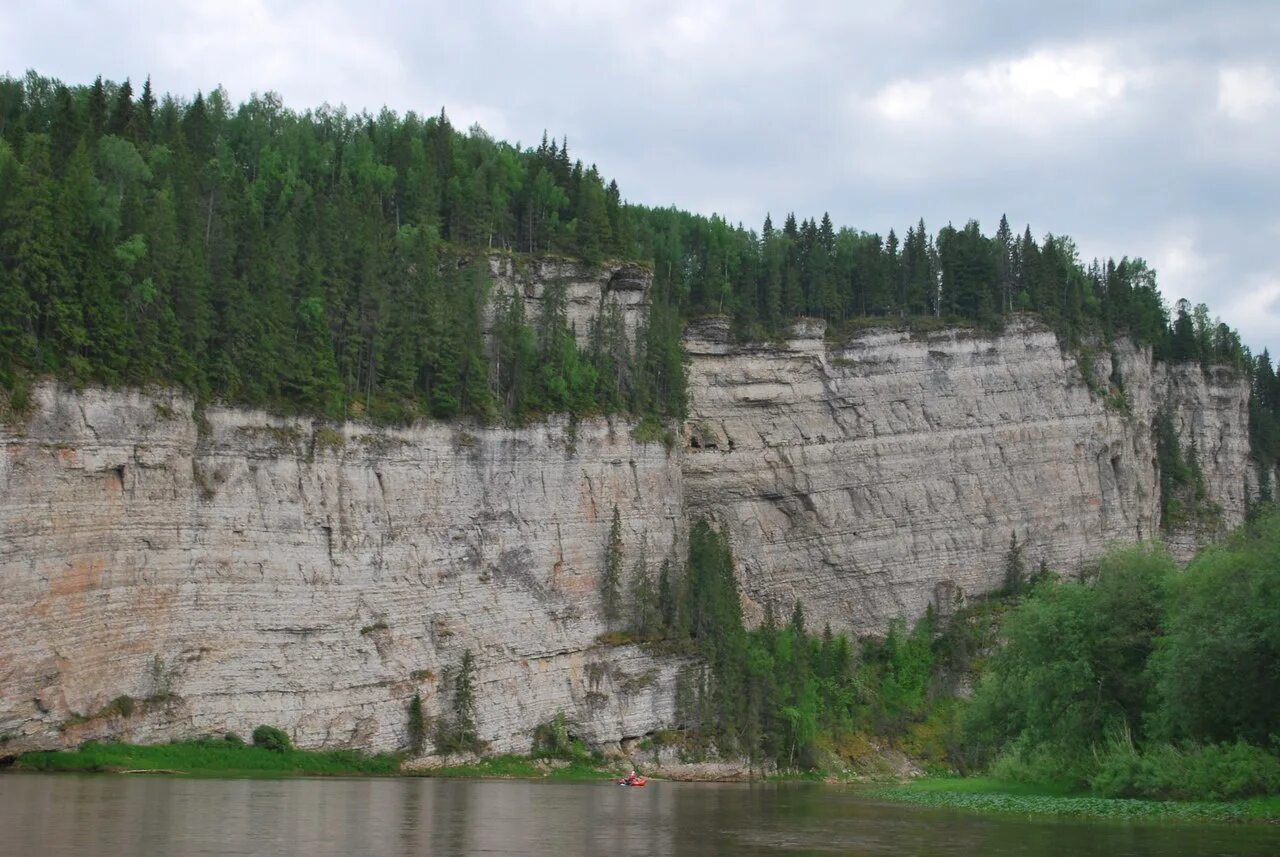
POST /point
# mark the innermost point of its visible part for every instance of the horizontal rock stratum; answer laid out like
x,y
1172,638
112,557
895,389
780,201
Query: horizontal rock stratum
x,y
229,568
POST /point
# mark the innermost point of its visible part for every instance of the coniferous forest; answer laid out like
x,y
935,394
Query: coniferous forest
x,y
334,263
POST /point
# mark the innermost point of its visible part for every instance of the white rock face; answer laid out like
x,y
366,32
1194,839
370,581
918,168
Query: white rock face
x,y
873,480
590,292
234,568
263,570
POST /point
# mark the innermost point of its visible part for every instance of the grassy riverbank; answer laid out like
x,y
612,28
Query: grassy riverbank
x,y
991,795
228,759
209,758
219,758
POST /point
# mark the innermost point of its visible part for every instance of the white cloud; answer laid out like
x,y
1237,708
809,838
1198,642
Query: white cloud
x,y
1030,94
905,101
1051,83
1247,93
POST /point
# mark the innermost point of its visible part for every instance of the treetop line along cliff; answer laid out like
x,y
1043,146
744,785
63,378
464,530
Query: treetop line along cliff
x,y
322,262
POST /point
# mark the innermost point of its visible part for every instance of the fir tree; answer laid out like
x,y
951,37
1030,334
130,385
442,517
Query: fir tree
x,y
122,111
666,598
1015,569
417,729
611,573
97,109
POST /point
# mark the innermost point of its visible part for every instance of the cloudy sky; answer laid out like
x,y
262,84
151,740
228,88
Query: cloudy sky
x,y
1140,128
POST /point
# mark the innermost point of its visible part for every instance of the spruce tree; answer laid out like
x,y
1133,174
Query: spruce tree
x,y
666,598
143,120
417,728
797,620
97,109
1015,569
646,613
611,573
122,111
464,700
457,733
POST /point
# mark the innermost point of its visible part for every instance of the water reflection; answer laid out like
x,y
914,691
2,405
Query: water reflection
x,y
88,815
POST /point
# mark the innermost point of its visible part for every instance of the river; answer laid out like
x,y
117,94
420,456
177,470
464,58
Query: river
x,y
112,815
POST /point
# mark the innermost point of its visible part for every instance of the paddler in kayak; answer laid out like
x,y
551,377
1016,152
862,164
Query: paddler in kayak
x,y
632,779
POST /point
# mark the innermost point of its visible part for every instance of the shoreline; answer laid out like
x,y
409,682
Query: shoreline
x,y
217,759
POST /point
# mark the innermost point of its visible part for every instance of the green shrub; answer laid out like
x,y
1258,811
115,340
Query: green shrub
x,y
1211,772
1217,672
1073,666
1025,762
551,740
271,738
328,438
233,738
122,705
652,430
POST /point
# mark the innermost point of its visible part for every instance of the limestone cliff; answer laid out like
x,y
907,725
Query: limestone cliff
x,y
590,292
229,568
235,569
873,479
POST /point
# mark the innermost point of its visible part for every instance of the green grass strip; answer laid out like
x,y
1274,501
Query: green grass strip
x,y
224,758
210,757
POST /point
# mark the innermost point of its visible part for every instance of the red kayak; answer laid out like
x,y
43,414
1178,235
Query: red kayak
x,y
634,782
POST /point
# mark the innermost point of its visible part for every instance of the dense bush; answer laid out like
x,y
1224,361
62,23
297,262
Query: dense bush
x,y
122,705
1073,665
271,738
1210,772
551,740
1217,668
1184,665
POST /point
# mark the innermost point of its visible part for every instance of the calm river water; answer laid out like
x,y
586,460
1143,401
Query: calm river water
x,y
101,815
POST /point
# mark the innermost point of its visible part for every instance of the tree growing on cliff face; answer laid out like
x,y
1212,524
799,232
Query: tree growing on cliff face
x,y
667,607
417,725
1015,568
646,612
464,698
457,733
611,573
797,619
1183,495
